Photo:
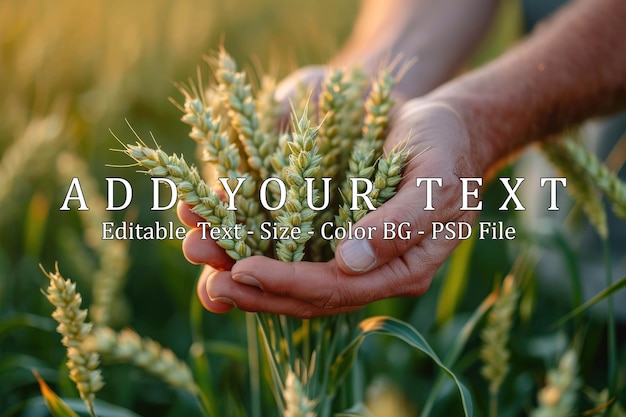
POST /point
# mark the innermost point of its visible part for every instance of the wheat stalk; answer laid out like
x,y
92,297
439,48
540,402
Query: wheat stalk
x,y
236,127
605,180
83,365
587,174
145,353
224,156
268,109
377,108
365,153
304,162
341,110
297,402
495,336
558,397
238,98
194,191
387,175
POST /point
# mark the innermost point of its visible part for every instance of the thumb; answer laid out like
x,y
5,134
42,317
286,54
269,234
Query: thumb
x,y
381,242
396,226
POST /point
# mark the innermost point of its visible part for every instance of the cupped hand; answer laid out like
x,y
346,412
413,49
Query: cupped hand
x,y
208,253
363,271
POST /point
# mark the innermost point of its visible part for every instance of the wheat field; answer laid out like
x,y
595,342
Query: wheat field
x,y
75,74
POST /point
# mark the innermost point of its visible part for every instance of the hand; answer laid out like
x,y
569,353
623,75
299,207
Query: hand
x,y
208,253
363,270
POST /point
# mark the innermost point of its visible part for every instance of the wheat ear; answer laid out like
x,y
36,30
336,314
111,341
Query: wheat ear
x,y
128,346
558,397
387,177
377,108
194,191
238,98
586,173
389,174
224,156
304,162
268,108
605,180
495,336
297,402
83,365
368,149
341,109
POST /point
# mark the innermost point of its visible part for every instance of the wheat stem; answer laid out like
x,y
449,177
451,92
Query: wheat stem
x,y
83,365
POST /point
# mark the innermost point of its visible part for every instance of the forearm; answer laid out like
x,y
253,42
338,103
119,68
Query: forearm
x,y
439,35
571,68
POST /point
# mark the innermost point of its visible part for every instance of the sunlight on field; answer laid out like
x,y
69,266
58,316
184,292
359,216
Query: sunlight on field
x,y
102,57
86,66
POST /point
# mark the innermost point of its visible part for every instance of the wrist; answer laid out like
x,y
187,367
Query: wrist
x,y
492,138
435,37
556,78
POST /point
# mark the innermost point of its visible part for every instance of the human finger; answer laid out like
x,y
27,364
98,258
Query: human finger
x,y
205,251
222,288
407,215
429,191
212,305
188,217
326,287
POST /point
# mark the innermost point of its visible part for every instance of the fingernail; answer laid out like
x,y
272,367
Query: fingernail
x,y
357,254
224,300
247,280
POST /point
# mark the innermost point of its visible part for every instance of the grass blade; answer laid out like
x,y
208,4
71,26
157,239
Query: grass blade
x,y
357,410
609,290
201,366
403,331
455,281
610,324
55,405
13,321
459,344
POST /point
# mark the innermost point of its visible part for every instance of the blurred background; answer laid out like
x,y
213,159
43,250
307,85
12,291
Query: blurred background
x,y
71,74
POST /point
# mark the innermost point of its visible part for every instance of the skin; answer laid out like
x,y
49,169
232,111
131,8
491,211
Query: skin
x,y
571,68
436,37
